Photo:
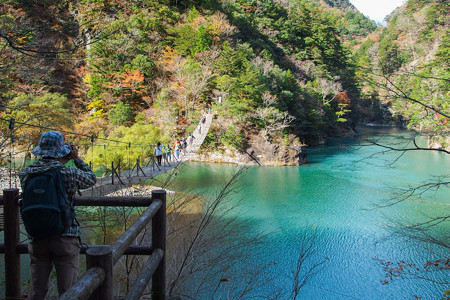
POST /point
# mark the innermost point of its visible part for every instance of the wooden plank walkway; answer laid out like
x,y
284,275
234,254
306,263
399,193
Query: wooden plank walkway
x,y
105,186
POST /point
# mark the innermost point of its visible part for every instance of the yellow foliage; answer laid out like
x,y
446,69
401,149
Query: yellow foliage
x,y
87,78
169,55
91,125
98,107
21,40
198,21
97,103
219,25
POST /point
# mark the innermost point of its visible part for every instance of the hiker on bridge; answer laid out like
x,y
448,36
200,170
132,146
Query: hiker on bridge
x,y
158,152
177,147
190,139
168,151
184,145
61,247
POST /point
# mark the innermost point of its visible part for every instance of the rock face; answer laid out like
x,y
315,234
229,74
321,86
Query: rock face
x,y
259,152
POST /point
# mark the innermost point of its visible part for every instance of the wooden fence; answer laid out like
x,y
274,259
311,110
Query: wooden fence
x,y
97,281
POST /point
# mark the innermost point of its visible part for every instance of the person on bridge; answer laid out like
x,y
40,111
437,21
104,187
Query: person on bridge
x,y
177,147
158,152
184,145
190,139
62,250
168,151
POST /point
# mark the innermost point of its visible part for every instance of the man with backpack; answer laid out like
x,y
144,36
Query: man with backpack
x,y
47,210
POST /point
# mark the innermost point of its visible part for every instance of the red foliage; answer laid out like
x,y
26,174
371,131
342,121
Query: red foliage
x,y
439,117
342,98
248,8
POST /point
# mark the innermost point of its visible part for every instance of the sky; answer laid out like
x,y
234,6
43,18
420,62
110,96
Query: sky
x,y
377,10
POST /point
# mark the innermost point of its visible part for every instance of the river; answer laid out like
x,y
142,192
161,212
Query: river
x,y
332,204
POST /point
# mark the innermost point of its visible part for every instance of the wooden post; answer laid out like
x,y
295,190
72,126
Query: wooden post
x,y
11,234
112,172
137,166
101,257
159,242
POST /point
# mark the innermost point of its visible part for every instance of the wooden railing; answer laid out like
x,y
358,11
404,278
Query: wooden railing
x,y
96,282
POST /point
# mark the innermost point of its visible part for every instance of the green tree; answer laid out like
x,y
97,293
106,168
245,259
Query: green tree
x,y
121,114
144,64
41,112
127,144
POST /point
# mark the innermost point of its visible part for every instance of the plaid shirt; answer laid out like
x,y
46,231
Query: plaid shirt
x,y
80,177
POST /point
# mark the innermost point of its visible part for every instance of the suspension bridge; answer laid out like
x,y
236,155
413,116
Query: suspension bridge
x,y
121,180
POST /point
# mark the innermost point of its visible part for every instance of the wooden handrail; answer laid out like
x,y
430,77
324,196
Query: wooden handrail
x,y
84,287
124,241
113,201
140,284
132,250
96,283
106,201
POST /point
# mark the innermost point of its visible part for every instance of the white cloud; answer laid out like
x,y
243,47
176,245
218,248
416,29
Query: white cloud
x,y
377,9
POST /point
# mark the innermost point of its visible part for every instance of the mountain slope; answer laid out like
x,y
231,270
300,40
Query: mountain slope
x,y
409,67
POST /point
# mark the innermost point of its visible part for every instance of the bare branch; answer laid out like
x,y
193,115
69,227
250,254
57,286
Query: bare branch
x,y
416,148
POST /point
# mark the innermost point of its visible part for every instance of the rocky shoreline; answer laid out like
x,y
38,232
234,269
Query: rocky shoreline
x,y
9,179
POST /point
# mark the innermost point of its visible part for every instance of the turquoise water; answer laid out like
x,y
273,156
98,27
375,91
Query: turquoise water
x,y
333,199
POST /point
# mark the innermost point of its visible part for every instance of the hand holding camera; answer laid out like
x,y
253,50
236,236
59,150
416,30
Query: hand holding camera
x,y
73,151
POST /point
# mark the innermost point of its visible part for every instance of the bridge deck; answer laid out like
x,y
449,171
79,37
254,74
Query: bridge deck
x,y
105,186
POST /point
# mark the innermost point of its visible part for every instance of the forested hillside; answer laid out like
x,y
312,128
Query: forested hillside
x,y
277,74
406,65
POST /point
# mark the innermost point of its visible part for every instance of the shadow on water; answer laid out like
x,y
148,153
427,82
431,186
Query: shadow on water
x,y
350,144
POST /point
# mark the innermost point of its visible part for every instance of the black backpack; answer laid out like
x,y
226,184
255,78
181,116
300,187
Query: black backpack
x,y
44,208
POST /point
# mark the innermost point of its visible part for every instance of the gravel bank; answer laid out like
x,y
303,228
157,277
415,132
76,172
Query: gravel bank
x,y
8,180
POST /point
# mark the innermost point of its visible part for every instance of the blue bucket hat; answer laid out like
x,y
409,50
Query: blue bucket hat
x,y
51,144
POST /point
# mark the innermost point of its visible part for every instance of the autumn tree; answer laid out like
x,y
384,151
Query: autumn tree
x,y
272,120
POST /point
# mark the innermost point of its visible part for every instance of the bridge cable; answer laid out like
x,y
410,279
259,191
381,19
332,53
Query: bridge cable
x,y
92,152
92,137
70,132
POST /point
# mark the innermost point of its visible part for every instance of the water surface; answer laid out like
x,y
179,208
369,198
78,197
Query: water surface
x,y
334,198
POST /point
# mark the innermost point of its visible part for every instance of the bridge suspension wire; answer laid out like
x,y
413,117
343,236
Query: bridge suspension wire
x,y
71,132
129,151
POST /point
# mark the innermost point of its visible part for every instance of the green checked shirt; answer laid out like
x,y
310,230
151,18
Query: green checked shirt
x,y
74,179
